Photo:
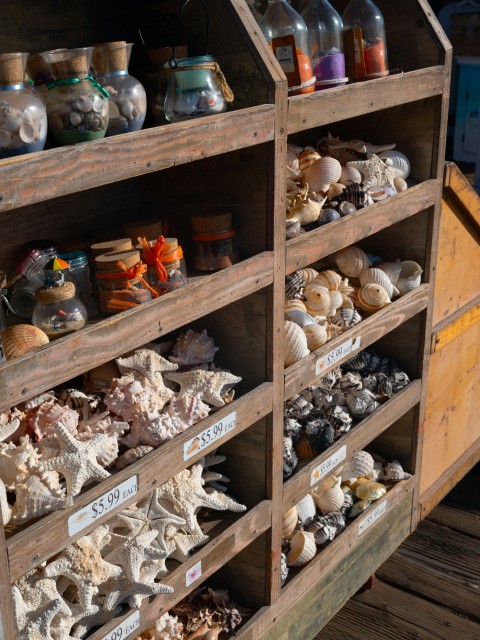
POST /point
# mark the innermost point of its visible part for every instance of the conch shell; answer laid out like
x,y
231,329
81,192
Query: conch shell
x,y
305,211
351,261
372,297
378,276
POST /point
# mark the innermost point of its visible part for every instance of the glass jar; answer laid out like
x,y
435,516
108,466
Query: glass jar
x,y
39,253
39,72
78,272
128,100
166,266
77,105
364,41
58,311
23,117
216,250
325,43
22,297
196,88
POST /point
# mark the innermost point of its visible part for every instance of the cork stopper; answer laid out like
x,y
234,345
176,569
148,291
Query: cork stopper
x,y
107,263
49,295
109,57
212,223
124,244
12,68
150,228
38,69
72,63
173,242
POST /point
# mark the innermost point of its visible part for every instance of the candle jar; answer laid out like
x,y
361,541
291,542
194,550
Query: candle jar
x,y
128,100
166,265
23,118
58,311
77,105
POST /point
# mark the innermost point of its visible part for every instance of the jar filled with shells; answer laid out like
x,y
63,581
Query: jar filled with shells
x,y
23,118
166,269
77,105
58,311
128,100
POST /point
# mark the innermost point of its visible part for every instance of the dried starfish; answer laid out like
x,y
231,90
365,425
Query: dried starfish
x,y
8,429
130,553
146,362
208,384
90,620
120,590
62,626
76,461
374,171
183,543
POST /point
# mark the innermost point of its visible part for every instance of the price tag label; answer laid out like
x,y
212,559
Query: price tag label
x,y
327,465
210,435
337,354
125,628
193,574
376,514
102,505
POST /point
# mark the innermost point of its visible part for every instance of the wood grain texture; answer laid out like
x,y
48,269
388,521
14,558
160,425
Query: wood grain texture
x,y
457,519
7,622
456,327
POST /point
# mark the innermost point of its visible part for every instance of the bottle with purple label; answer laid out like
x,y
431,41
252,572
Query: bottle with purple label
x,y
325,43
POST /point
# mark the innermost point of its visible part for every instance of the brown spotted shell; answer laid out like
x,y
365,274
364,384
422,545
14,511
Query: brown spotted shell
x,y
22,338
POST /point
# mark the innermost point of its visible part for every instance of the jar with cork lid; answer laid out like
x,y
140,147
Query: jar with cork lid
x,y
128,100
166,269
58,311
23,117
215,242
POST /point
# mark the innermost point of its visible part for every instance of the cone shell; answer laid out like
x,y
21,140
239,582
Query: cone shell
x,y
295,343
295,304
350,175
309,274
351,261
322,174
306,509
302,549
306,158
410,276
359,465
289,522
330,279
372,297
316,336
317,299
377,276
392,269
22,338
370,491
398,161
328,499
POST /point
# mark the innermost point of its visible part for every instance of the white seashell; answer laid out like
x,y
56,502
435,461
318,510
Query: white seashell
x,y
292,156
5,508
295,304
322,173
359,465
305,211
329,279
83,104
36,496
306,509
316,336
295,345
309,274
378,276
302,549
350,175
336,301
5,138
317,299
372,297
398,161
113,112
392,269
75,118
351,261
394,472
328,495
400,184
307,157
289,522
299,317
410,276
128,110
13,124
193,348
26,133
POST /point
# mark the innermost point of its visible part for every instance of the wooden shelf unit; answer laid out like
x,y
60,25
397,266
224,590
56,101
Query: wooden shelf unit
x,y
236,161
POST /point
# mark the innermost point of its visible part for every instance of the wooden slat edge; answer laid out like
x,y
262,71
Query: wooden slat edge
x,y
455,327
41,540
356,439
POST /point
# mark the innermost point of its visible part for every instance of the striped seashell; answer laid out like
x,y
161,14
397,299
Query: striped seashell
x,y
329,279
302,549
336,301
316,336
399,380
317,299
346,317
308,274
355,194
21,338
410,276
328,495
302,318
347,503
294,284
351,261
398,161
306,509
392,269
322,174
378,276
340,420
333,519
322,532
295,343
358,465
297,406
293,303
321,434
289,522
306,158
371,491
372,297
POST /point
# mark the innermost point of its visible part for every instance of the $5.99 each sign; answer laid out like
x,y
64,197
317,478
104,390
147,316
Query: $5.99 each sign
x,y
337,354
209,435
125,628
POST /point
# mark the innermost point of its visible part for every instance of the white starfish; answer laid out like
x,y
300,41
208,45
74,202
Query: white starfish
x,y
130,553
117,591
208,384
374,171
183,543
35,612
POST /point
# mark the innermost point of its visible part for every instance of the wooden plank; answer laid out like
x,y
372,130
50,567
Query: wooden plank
x,y
224,546
455,328
310,247
457,519
456,182
356,439
41,176
304,373
7,619
341,103
39,541
24,377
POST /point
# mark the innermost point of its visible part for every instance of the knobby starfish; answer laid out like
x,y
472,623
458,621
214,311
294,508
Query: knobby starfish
x,y
117,591
63,623
131,553
208,384
183,543
374,171
35,612
147,363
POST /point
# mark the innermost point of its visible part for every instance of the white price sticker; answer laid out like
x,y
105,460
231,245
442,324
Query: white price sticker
x,y
125,628
193,574
327,465
210,435
376,514
102,505
337,354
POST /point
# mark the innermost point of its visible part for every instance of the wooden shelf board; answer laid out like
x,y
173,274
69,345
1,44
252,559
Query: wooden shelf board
x,y
313,245
49,535
233,538
304,372
63,359
331,105
58,172
296,487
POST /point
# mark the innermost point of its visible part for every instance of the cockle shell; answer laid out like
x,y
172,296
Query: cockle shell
x,y
21,338
378,276
398,161
302,549
350,175
410,276
308,274
306,211
316,336
322,173
289,522
317,299
351,261
360,464
295,344
328,495
295,304
329,279
372,297
306,509
306,158
370,491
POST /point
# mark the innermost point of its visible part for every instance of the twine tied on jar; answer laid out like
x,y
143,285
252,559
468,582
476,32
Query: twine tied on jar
x,y
159,254
214,67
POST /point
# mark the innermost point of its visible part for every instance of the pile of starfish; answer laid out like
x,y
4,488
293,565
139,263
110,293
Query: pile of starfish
x,y
121,563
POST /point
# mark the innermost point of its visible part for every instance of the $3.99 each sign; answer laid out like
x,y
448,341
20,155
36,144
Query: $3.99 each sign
x,y
209,435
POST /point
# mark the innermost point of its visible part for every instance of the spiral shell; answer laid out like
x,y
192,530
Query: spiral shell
x,y
398,161
336,301
392,269
306,509
294,284
316,336
308,274
378,276
317,299
328,495
410,276
351,261
370,491
21,338
322,532
359,465
295,343
356,194
295,304
329,279
372,297
305,211
322,173
307,157
289,522
302,549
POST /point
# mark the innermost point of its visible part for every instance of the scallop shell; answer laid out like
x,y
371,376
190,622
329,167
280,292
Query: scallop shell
x,y
322,174
317,299
392,269
21,338
306,509
289,522
307,157
410,276
302,318
398,161
316,336
360,464
372,297
350,175
329,279
328,495
370,491
335,190
305,211
302,549
351,261
378,276
295,304
295,343
309,274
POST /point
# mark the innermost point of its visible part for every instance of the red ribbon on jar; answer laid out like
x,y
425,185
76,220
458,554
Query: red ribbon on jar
x,y
131,273
159,253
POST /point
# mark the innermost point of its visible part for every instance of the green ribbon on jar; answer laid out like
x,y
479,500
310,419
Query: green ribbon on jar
x,y
69,81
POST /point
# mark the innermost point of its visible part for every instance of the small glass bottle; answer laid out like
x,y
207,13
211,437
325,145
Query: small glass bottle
x,y
23,118
216,250
128,100
364,41
325,43
254,6
58,311
166,265
79,273
77,105
286,32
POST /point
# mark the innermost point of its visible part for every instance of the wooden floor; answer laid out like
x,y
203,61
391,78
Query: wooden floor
x,y
429,589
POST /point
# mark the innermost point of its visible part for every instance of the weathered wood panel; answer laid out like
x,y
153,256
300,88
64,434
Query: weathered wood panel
x,y
457,519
